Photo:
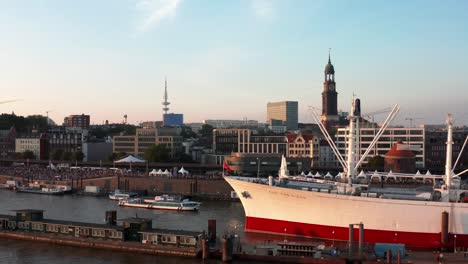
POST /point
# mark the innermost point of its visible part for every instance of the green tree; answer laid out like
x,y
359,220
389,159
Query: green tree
x,y
376,163
183,158
116,156
78,156
56,154
27,154
67,155
206,133
157,153
187,132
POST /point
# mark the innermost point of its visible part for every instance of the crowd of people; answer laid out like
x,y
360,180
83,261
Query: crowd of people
x,y
57,173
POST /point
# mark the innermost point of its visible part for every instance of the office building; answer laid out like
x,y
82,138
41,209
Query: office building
x,y
283,113
80,121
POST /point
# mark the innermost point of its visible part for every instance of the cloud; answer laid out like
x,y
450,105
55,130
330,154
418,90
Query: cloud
x,y
155,11
263,9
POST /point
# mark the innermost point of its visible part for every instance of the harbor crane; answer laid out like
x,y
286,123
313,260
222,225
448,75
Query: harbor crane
x,y
411,119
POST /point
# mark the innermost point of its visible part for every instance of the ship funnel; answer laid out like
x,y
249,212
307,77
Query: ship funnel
x,y
357,107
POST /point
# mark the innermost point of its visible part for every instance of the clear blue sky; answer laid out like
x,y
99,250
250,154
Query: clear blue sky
x,y
227,59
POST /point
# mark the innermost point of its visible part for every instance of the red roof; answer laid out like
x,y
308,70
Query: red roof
x,y
399,153
293,137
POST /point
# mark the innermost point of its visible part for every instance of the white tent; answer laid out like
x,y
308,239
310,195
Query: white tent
x,y
428,173
309,174
159,172
166,172
362,175
376,175
153,173
338,177
302,173
418,175
328,176
318,175
130,159
183,171
390,175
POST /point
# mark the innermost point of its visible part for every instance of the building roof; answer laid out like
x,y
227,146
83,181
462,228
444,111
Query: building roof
x,y
293,137
172,232
135,220
398,152
28,211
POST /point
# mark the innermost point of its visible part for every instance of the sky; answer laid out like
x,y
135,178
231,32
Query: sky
x,y
228,59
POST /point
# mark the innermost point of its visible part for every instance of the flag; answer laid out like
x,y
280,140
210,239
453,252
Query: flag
x,y
52,167
226,167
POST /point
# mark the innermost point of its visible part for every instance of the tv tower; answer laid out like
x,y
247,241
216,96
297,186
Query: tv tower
x,y
165,103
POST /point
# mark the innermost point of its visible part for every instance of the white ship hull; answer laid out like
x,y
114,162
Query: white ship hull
x,y
284,211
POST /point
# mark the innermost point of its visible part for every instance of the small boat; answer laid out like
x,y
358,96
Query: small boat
x,y
163,197
44,190
117,195
162,204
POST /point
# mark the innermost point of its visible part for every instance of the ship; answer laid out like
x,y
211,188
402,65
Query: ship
x,y
162,203
330,209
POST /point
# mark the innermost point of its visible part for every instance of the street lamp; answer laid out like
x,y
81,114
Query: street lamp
x,y
258,168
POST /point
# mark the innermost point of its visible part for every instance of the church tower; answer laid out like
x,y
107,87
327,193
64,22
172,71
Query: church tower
x,y
329,116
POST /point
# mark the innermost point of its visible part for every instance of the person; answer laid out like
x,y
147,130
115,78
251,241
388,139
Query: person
x,y
438,257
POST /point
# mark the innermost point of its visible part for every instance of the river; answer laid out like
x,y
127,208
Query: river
x,y
229,218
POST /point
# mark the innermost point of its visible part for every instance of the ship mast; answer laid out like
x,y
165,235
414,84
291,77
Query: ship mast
x,y
448,163
351,156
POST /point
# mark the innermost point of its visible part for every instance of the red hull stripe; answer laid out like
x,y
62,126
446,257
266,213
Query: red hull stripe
x,y
411,239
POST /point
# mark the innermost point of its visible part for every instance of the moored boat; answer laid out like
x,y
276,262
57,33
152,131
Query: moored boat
x,y
162,204
44,190
117,195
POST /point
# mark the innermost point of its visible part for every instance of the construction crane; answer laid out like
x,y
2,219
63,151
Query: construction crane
x,y
411,119
47,115
370,116
9,101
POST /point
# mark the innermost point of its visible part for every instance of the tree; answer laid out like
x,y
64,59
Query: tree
x,y
157,153
78,156
67,155
28,154
206,133
116,156
56,154
187,132
376,163
182,157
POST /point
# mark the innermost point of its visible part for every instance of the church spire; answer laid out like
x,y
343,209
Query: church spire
x,y
329,60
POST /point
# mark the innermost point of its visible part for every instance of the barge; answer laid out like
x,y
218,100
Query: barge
x,y
133,234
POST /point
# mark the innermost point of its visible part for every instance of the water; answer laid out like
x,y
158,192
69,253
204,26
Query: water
x,y
229,218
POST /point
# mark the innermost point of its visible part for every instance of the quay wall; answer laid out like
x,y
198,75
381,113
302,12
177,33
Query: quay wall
x,y
133,247
215,188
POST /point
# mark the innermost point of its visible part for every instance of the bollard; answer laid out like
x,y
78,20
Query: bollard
x,y
205,253
351,239
361,238
444,229
226,257
389,256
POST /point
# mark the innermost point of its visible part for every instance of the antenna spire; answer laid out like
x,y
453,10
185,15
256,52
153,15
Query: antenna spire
x,y
329,60
165,103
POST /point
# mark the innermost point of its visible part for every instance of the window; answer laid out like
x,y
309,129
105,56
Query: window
x,y
98,232
37,226
168,239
